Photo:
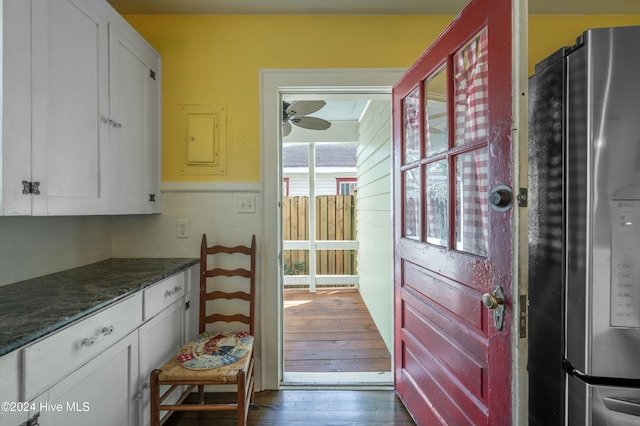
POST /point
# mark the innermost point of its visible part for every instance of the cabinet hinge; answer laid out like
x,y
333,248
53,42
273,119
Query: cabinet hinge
x,y
187,305
152,74
152,198
30,187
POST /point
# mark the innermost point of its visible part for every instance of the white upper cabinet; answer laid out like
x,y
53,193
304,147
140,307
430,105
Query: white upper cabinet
x,y
80,112
15,139
134,90
70,108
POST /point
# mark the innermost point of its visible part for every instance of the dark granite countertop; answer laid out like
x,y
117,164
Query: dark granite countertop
x,y
33,308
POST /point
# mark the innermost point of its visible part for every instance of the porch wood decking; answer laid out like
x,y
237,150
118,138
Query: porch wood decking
x,y
331,331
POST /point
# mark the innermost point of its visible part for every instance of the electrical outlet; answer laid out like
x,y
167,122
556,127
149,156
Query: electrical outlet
x,y
183,228
246,204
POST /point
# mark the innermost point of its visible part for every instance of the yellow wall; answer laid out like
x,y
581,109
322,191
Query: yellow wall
x,y
548,33
215,60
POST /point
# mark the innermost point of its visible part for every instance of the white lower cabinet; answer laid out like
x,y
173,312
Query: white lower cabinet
x,y
15,413
160,338
101,392
96,370
192,303
48,360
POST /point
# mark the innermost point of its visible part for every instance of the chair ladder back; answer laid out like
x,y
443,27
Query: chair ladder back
x,y
216,294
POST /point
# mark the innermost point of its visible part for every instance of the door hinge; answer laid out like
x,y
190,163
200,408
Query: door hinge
x,y
152,74
523,197
522,319
187,305
30,187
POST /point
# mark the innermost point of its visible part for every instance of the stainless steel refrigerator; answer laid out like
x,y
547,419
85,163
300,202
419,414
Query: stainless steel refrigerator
x,y
584,232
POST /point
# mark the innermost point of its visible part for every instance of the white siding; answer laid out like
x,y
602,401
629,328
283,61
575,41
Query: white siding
x,y
374,216
325,182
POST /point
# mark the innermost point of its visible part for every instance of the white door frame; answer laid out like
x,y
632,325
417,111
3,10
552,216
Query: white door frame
x,y
273,83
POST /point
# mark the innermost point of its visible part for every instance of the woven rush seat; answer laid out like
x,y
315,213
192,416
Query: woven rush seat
x,y
172,371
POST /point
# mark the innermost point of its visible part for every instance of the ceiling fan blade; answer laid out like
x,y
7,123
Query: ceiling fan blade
x,y
300,108
286,129
312,123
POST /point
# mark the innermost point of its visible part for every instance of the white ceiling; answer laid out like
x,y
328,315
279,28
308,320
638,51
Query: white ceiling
x,y
342,110
360,7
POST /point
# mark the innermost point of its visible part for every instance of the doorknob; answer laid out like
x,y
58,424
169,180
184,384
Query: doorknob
x,y
491,301
495,302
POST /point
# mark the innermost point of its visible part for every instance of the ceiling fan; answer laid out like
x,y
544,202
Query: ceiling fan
x,y
296,113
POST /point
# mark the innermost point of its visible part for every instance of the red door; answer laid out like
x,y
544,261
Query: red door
x,y
452,148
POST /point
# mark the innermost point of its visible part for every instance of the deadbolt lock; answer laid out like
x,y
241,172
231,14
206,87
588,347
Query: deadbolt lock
x,y
501,198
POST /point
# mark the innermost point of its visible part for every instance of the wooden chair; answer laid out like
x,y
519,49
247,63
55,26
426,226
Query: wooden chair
x,y
240,372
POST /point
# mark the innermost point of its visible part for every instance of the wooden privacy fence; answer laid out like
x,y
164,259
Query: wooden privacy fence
x,y
335,220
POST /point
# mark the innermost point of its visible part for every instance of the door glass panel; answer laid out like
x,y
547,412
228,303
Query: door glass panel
x,y
411,119
436,122
412,203
472,210
437,203
471,92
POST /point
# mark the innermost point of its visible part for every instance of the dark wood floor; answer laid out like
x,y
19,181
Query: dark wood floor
x,y
308,408
327,331
331,331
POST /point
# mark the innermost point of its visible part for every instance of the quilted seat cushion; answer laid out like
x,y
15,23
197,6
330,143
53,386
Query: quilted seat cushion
x,y
215,349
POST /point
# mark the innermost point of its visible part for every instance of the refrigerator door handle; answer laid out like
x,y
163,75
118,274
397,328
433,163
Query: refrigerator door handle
x,y
622,405
599,381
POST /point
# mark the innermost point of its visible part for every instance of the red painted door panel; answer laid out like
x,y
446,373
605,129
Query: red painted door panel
x,y
452,146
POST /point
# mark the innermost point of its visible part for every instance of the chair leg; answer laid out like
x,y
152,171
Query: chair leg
x,y
242,398
252,383
155,399
200,394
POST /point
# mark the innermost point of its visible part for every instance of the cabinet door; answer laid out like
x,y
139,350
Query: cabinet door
x,y
192,297
13,414
134,89
15,141
101,392
160,339
70,107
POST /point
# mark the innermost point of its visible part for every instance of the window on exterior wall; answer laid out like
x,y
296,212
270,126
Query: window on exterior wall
x,y
285,187
346,186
